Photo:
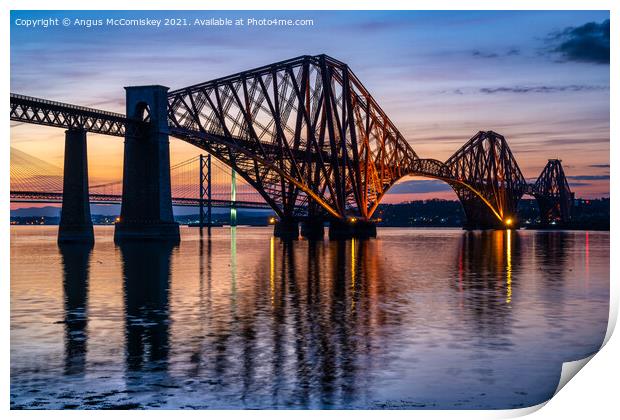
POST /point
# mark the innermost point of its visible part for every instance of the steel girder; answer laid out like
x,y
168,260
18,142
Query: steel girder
x,y
304,132
31,110
553,194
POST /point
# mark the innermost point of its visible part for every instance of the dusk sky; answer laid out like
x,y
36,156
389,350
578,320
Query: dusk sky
x,y
539,78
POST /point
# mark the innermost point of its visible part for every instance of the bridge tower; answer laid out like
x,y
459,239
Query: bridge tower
x,y
146,209
75,221
553,194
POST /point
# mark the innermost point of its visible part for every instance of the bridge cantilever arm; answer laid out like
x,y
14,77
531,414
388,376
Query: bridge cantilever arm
x,y
188,134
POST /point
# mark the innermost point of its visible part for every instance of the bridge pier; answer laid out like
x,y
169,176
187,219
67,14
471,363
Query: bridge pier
x,y
473,222
146,209
286,229
75,221
479,216
313,229
548,211
352,228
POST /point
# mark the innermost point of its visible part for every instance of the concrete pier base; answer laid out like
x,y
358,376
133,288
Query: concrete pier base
x,y
312,229
478,216
75,221
474,224
146,209
341,229
286,229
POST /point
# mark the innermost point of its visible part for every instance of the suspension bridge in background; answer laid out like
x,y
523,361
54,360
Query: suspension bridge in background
x,y
36,181
304,133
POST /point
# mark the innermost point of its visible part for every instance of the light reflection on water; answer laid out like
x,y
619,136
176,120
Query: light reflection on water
x,y
239,319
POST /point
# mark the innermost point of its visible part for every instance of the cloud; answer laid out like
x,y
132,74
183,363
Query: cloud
x,y
541,89
493,54
526,89
588,177
421,186
585,43
580,184
378,25
477,53
447,138
581,142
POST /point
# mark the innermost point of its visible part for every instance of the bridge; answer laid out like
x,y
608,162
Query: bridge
x,y
304,133
36,181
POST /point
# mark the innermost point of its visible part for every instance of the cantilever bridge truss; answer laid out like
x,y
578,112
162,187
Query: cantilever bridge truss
x,y
309,137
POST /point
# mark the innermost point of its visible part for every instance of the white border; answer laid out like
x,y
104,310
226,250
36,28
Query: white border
x,y
592,395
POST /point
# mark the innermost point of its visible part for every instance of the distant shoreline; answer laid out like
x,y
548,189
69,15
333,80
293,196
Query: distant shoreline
x,y
538,228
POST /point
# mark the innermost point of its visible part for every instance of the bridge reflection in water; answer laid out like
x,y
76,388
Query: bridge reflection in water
x,y
415,319
75,262
146,284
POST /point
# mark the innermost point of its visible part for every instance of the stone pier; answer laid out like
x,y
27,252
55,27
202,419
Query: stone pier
x,y
75,221
146,209
313,229
352,228
286,229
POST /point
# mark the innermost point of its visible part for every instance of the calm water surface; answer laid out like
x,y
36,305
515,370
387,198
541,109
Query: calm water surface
x,y
412,319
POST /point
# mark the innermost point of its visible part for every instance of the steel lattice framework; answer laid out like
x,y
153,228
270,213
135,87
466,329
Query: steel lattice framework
x,y
303,131
309,137
553,193
32,110
486,176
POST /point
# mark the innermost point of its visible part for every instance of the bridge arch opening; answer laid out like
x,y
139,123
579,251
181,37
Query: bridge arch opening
x,y
142,112
474,204
418,187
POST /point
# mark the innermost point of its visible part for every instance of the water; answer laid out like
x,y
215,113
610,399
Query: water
x,y
413,319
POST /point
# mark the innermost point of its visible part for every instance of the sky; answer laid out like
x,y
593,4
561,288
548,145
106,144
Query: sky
x,y
540,78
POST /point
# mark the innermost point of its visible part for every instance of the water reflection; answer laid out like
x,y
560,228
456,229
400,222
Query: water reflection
x,y
205,268
551,253
550,249
146,282
508,266
301,337
311,333
487,267
75,264
240,319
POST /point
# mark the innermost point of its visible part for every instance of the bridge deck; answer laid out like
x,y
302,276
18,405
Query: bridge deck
x,y
51,197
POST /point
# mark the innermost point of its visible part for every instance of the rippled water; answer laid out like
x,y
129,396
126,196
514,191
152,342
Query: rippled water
x,y
413,319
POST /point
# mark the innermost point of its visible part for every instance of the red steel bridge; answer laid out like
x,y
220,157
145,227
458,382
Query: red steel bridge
x,y
307,136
